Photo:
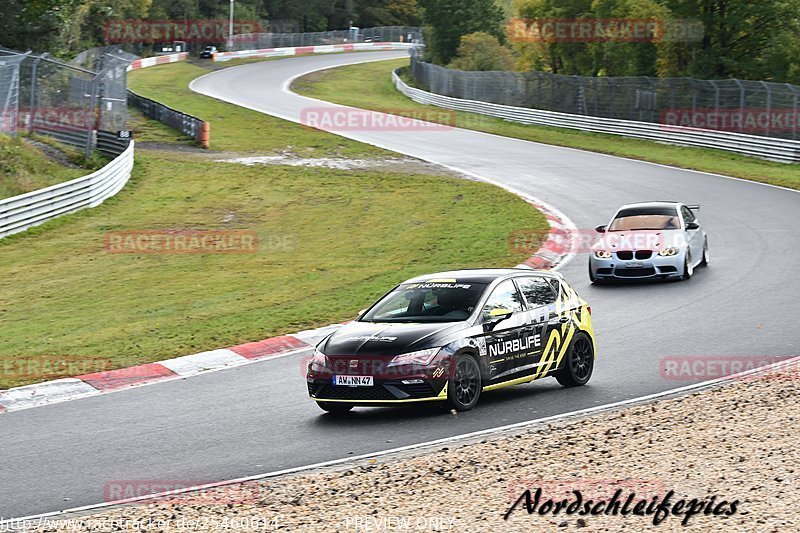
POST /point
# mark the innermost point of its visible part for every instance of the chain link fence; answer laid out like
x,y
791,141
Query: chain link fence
x,y
750,107
66,101
393,34
111,64
9,92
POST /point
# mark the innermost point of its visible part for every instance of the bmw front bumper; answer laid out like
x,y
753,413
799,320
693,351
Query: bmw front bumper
x,y
652,267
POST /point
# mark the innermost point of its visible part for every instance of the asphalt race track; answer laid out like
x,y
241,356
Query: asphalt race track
x,y
257,418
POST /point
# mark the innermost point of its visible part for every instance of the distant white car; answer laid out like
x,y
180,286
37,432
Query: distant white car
x,y
649,240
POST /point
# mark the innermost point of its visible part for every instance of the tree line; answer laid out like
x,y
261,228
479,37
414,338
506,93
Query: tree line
x,y
721,38
66,27
713,39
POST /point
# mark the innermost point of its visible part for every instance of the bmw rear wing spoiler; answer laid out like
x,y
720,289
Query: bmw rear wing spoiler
x,y
694,207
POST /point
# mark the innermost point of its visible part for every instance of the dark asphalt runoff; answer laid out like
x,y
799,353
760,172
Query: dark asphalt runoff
x,y
257,418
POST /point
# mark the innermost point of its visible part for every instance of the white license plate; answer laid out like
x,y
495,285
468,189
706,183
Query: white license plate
x,y
635,265
353,381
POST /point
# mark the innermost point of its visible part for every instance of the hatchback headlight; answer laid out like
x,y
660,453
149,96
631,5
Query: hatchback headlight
x,y
602,254
421,357
318,363
667,252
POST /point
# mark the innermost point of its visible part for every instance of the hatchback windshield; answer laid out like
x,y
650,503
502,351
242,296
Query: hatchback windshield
x,y
427,302
646,218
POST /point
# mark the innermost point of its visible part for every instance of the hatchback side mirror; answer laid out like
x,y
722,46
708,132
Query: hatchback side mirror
x,y
495,317
600,229
692,225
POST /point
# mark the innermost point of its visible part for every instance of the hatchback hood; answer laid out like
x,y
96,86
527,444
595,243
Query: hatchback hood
x,y
385,339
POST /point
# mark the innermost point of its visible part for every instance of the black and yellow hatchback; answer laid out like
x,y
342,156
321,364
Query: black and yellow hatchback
x,y
451,336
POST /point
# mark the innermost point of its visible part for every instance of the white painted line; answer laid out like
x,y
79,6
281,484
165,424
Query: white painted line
x,y
286,89
437,442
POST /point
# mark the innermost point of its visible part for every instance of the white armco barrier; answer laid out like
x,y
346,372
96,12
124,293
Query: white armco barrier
x,y
772,148
36,207
319,49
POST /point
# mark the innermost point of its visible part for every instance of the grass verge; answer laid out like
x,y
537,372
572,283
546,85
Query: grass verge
x,y
25,167
330,241
237,128
345,85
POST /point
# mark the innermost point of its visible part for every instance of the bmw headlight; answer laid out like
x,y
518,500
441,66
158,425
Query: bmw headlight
x,y
667,252
421,357
602,254
318,363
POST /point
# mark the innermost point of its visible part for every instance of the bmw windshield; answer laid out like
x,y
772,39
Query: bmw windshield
x,y
646,218
427,302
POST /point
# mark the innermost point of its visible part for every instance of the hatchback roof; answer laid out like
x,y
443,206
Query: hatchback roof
x,y
476,275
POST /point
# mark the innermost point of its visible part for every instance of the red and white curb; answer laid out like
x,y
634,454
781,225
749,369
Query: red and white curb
x,y
61,390
157,60
319,49
559,243
550,255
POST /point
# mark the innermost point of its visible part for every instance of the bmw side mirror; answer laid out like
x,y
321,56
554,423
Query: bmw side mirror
x,y
692,225
600,229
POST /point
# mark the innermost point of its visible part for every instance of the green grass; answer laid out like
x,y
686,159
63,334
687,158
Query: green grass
x,y
146,130
331,241
237,128
345,85
25,168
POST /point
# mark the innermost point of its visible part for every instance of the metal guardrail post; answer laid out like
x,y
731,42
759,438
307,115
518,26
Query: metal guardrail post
x,y
767,129
90,123
34,88
741,102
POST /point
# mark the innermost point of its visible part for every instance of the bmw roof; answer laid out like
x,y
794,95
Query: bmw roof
x,y
655,203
